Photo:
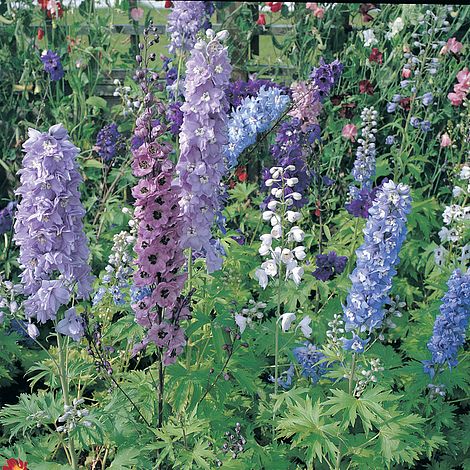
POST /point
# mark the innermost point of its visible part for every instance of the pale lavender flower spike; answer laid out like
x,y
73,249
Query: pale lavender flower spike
x,y
49,227
203,136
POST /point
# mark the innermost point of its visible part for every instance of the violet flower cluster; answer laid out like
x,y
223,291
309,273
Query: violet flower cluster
x,y
450,325
311,360
109,143
329,265
377,257
159,227
253,116
49,227
307,97
6,217
202,139
184,22
52,65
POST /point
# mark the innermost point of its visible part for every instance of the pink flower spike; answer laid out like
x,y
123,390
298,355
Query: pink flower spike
x,y
349,132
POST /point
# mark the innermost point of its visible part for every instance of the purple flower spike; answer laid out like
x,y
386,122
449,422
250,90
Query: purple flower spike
x,y
49,227
202,139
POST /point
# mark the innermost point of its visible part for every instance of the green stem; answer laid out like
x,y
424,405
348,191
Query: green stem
x,y
65,391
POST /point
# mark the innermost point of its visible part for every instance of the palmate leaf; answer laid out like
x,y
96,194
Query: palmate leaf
x,y
305,423
368,407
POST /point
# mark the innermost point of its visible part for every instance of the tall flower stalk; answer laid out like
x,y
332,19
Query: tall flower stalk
x,y
377,258
160,255
202,139
53,246
279,245
450,325
49,228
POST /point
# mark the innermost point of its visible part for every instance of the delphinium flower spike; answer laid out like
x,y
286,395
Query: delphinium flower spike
x,y
202,139
184,22
364,167
49,228
377,257
280,243
159,224
253,116
450,325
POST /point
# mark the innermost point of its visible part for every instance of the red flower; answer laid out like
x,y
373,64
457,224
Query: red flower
x,y
405,103
53,8
375,56
241,173
168,4
366,87
275,6
364,10
14,464
261,21
40,33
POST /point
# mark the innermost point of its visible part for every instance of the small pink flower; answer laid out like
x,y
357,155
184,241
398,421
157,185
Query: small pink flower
x,y
463,77
453,46
406,73
318,12
349,132
137,14
455,98
445,140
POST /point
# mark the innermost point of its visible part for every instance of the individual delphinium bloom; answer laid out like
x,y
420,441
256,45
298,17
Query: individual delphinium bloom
x,y
420,124
184,22
329,265
364,166
6,217
119,270
175,117
392,105
366,87
52,65
377,258
390,140
450,325
456,218
48,226
254,116
202,139
71,325
239,89
461,89
159,224
110,143
282,244
285,378
128,101
252,312
368,375
445,140
311,360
